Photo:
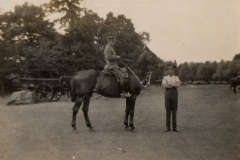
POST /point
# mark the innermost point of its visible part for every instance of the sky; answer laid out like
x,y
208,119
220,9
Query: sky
x,y
181,30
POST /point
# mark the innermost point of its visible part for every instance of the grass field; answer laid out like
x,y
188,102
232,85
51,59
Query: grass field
x,y
208,117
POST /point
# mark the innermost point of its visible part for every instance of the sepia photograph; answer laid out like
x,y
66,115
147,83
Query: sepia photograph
x,y
120,80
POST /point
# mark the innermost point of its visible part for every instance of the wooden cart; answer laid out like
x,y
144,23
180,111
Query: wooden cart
x,y
47,88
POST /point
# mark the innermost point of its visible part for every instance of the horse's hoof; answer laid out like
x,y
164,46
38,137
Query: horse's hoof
x,y
132,129
75,131
91,129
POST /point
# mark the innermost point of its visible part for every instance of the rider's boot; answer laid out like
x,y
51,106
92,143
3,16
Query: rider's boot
x,y
123,90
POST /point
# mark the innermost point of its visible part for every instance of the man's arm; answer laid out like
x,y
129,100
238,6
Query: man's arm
x,y
176,83
165,83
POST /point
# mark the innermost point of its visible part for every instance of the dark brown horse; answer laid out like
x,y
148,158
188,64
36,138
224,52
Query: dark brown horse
x,y
235,82
86,82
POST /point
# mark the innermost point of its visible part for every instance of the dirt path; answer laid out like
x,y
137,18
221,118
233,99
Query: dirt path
x,y
208,117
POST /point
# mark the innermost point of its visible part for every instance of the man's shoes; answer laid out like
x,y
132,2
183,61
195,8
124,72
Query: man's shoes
x,y
175,130
125,95
168,130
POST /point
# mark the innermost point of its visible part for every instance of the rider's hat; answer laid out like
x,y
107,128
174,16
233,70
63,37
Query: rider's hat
x,y
111,36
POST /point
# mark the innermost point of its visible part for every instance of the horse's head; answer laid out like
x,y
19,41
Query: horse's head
x,y
148,61
143,66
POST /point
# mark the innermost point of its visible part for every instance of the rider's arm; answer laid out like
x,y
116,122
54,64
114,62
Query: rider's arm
x,y
111,55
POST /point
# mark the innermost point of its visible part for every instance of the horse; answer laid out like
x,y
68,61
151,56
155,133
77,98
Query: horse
x,y
234,83
86,82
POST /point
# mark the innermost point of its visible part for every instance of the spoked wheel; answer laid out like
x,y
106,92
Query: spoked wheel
x,y
62,91
44,92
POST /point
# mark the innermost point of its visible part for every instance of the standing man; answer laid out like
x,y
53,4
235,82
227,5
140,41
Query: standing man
x,y
112,65
170,83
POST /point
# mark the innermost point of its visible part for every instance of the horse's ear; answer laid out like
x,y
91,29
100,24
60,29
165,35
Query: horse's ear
x,y
159,65
146,48
145,51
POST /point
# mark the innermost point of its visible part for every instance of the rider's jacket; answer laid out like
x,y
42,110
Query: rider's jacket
x,y
111,57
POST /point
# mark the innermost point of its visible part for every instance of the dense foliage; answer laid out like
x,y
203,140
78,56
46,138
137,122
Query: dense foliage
x,y
209,71
29,40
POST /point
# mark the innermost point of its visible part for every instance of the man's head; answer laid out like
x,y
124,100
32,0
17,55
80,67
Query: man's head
x,y
171,68
111,39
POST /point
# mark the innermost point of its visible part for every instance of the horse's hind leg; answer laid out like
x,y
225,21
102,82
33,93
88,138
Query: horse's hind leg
x,y
85,112
75,111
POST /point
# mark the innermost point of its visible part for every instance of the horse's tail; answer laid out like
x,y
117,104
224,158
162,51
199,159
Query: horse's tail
x,y
73,90
64,82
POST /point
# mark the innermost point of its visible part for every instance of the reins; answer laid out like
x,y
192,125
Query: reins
x,y
141,82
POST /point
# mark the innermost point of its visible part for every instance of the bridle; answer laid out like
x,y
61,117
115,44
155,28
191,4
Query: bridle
x,y
137,66
148,74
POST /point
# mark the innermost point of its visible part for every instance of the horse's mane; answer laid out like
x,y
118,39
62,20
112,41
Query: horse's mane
x,y
140,57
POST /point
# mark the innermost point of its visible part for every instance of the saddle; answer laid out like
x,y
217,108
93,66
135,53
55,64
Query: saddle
x,y
106,72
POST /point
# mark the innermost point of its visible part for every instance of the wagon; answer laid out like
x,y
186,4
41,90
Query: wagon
x,y
45,83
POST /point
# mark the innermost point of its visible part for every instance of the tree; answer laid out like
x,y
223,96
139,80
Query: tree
x,y
129,43
236,57
184,72
193,71
26,33
21,31
86,38
70,9
205,71
26,25
222,71
82,38
10,63
234,68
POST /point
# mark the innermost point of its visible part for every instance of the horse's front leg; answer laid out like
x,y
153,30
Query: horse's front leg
x,y
127,112
131,106
85,112
235,89
75,111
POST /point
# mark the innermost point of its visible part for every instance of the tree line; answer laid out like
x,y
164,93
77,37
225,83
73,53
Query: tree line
x,y
223,71
29,40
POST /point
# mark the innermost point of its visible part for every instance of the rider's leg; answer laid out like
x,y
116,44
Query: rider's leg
x,y
122,87
122,78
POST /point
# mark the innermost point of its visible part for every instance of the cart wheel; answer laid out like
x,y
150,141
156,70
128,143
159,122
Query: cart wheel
x,y
44,92
57,95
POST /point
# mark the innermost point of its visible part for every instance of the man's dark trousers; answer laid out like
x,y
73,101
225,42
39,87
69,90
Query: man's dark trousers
x,y
171,105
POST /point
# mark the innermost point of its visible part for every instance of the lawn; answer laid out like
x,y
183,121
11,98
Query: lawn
x,y
208,118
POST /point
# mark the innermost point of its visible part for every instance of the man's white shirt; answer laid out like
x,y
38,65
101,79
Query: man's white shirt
x,y
170,80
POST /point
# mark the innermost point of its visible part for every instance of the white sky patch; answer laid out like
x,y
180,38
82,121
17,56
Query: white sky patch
x,y
181,30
